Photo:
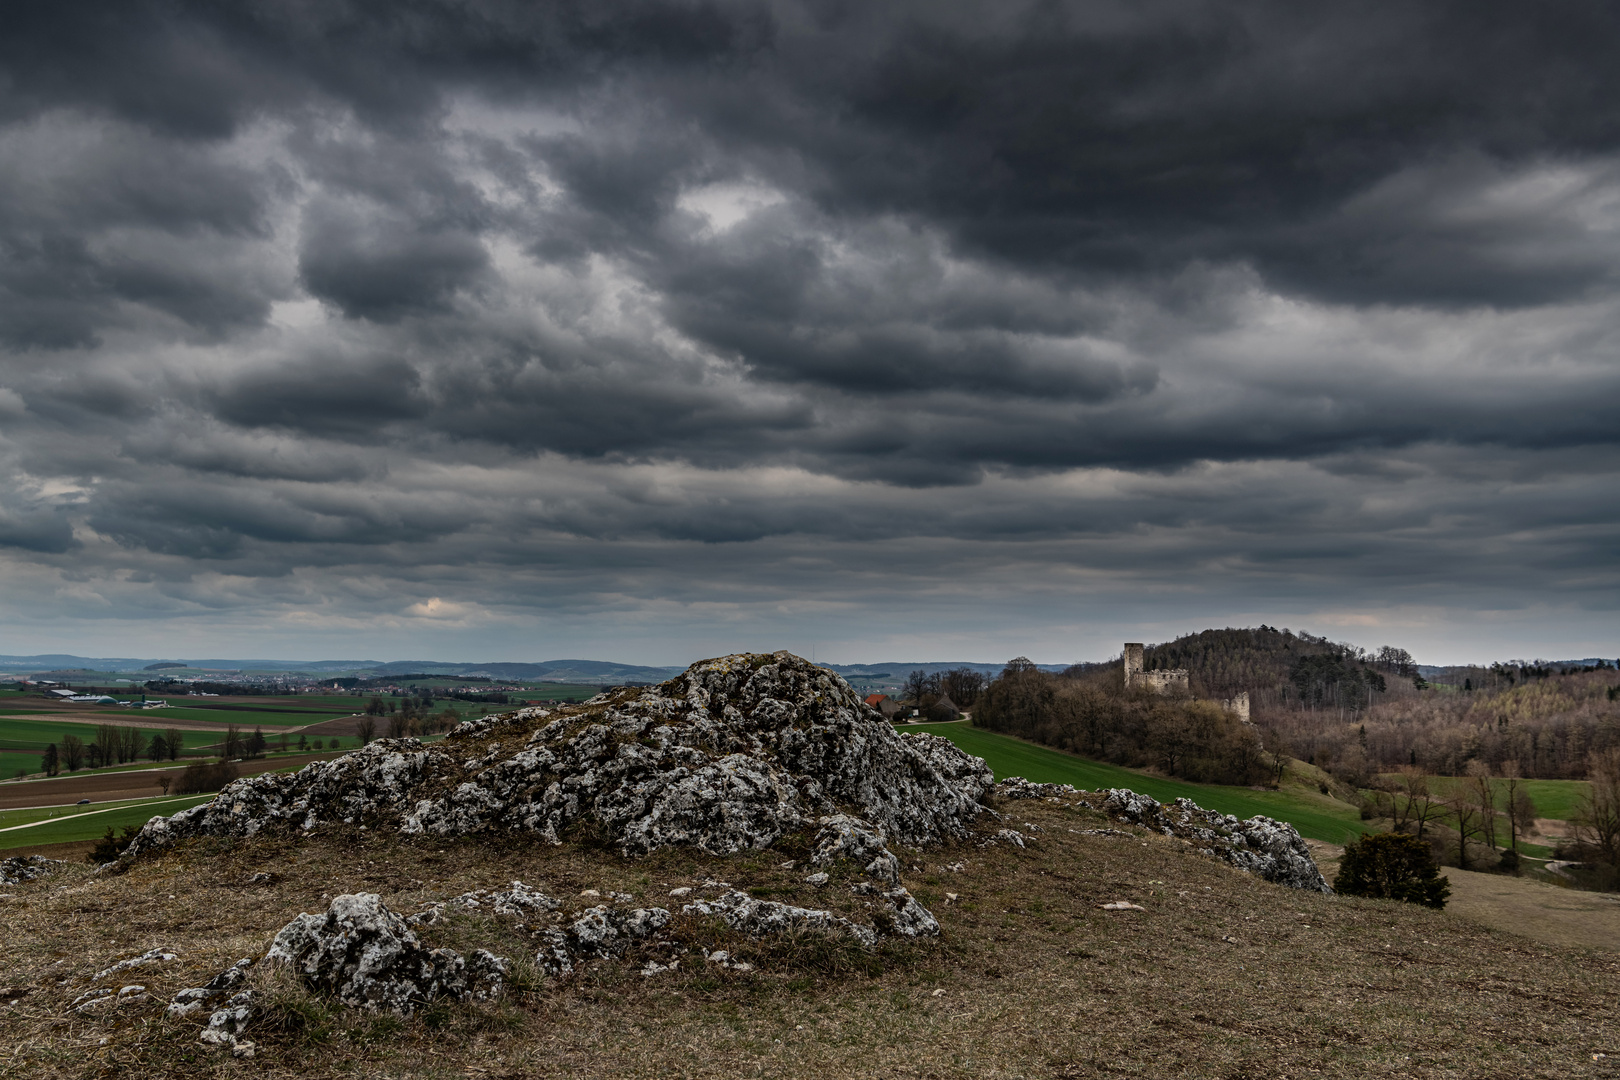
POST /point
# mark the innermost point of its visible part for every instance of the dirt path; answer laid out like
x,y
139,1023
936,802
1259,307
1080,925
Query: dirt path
x,y
107,787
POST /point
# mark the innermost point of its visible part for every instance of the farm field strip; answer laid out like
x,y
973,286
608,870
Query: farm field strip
x,y
13,820
1320,819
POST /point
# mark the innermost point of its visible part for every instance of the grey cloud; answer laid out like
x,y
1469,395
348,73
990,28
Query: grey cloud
x,y
639,308
385,270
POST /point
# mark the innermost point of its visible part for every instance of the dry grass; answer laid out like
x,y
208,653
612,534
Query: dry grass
x,y
1222,976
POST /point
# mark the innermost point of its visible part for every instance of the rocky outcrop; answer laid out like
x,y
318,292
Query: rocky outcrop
x,y
1266,848
728,757
366,956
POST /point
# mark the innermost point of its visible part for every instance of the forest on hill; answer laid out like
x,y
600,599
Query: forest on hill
x,y
1352,711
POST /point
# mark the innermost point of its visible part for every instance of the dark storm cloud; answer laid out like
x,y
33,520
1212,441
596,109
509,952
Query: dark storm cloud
x,y
602,306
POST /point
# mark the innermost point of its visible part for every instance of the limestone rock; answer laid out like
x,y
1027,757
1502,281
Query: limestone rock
x,y
518,900
761,917
596,932
1016,787
845,837
150,956
1266,848
226,1025
21,868
193,999
366,956
728,757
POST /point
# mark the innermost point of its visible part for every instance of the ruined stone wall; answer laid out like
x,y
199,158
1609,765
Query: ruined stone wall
x,y
1238,703
1165,682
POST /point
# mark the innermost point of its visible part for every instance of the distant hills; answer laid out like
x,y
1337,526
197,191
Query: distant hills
x,y
1222,658
593,672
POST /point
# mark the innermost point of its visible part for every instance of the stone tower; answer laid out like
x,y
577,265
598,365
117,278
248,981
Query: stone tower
x,y
1133,663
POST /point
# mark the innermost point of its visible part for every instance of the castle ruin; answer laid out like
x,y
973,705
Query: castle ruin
x,y
1173,680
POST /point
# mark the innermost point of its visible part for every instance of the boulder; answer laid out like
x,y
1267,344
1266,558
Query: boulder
x,y
366,956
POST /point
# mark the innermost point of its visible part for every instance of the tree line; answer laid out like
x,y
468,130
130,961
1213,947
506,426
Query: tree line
x,y
1088,710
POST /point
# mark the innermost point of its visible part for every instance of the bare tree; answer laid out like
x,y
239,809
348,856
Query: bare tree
x,y
1483,790
165,782
1422,804
233,742
368,730
963,685
919,684
174,741
1597,815
1521,811
1464,807
130,744
72,752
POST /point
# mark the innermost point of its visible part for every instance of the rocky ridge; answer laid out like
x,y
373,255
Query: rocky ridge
x,y
1268,849
728,757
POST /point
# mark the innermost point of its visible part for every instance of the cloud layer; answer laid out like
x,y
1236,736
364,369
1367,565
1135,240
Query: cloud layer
x,y
663,329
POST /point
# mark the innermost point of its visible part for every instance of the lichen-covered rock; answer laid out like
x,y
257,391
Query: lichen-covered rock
x,y
906,917
193,999
761,917
518,901
845,837
596,932
147,958
21,868
1266,848
368,957
728,757
226,1025
1016,787
368,785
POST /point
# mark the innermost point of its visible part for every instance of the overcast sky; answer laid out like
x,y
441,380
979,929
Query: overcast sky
x,y
936,330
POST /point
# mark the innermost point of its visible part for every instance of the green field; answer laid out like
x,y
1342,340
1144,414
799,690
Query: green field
x,y
1557,798
85,822
1318,817
30,737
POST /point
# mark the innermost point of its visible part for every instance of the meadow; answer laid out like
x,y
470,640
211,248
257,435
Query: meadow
x,y
1320,817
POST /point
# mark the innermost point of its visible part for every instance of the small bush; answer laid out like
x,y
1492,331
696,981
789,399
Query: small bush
x,y
1392,866
109,847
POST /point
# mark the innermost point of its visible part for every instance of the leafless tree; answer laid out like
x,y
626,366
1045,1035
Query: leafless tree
x,y
368,730
1597,815
175,741
72,752
1483,789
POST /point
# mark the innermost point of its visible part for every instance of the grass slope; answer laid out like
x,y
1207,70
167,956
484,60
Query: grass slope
x,y
1318,817
1222,975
